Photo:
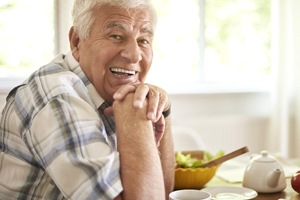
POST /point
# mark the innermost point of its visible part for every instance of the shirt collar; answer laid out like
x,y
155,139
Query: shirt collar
x,y
74,66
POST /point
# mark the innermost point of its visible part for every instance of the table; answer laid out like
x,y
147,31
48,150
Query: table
x,y
288,193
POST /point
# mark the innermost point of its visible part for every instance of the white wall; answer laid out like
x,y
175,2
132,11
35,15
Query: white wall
x,y
224,121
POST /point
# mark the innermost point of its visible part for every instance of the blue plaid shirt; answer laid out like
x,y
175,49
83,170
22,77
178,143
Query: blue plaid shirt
x,y
55,142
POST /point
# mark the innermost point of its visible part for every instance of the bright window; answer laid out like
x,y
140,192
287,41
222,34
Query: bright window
x,y
237,35
26,36
202,44
199,44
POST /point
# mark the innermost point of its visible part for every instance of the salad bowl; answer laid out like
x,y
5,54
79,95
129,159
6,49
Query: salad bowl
x,y
193,177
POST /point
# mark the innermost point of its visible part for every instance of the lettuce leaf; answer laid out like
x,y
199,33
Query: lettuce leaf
x,y
186,161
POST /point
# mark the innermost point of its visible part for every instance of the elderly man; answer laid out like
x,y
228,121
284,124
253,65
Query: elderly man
x,y
86,126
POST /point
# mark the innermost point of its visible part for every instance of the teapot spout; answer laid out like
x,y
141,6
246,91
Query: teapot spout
x,y
273,177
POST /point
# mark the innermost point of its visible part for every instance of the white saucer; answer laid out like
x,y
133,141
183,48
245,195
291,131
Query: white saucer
x,y
242,192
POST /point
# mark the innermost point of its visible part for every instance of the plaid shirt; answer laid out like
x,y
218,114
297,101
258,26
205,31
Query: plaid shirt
x,y
55,142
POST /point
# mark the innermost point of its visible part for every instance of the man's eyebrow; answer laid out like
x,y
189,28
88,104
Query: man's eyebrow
x,y
122,26
148,30
117,25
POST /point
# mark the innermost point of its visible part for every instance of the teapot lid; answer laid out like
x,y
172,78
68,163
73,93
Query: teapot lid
x,y
264,157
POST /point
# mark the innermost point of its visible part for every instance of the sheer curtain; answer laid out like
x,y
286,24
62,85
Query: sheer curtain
x,y
284,135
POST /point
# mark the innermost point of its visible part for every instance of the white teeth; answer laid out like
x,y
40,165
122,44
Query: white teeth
x,y
119,70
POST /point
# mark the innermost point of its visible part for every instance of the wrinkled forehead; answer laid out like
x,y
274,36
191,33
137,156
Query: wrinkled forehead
x,y
142,17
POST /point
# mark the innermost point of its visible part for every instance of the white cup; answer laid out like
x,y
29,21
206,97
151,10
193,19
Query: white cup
x,y
189,195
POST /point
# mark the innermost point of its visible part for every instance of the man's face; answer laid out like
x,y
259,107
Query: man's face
x,y
118,50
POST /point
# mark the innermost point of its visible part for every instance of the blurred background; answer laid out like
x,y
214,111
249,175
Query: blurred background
x,y
231,67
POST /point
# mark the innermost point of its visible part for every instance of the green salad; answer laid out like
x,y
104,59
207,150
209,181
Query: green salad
x,y
186,161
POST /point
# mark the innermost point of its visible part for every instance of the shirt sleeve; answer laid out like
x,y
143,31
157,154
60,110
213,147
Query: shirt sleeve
x,y
69,141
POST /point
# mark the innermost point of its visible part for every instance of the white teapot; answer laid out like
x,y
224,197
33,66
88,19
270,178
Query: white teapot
x,y
264,174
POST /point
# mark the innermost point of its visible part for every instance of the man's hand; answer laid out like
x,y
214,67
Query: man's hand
x,y
158,100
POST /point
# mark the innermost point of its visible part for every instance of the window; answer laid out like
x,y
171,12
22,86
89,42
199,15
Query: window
x,y
26,36
199,44
178,49
237,35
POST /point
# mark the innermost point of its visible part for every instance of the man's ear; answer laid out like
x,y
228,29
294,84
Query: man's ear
x,y
74,42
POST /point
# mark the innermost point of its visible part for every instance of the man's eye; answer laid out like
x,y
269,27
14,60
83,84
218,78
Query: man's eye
x,y
116,37
144,41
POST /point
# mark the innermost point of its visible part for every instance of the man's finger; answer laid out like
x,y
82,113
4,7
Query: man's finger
x,y
123,91
140,95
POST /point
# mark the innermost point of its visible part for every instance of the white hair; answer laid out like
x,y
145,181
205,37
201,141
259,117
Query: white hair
x,y
83,12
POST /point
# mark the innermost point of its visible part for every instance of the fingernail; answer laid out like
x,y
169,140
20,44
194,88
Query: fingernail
x,y
138,104
150,115
117,96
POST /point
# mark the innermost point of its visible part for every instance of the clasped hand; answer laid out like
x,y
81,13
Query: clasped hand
x,y
158,101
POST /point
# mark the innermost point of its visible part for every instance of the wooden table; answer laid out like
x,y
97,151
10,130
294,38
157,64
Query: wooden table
x,y
288,193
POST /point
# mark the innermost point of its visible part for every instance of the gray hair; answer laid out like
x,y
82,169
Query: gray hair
x,y
83,12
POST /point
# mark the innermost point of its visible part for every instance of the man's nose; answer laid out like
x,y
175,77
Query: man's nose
x,y
132,52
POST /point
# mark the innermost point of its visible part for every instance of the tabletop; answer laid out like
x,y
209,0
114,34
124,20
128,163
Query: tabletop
x,y
287,194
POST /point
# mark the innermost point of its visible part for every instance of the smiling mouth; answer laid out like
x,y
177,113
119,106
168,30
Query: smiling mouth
x,y
122,72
